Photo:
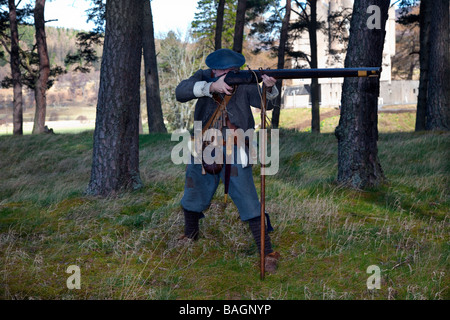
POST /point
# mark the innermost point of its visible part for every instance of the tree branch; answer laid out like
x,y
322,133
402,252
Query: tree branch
x,y
5,45
276,9
303,13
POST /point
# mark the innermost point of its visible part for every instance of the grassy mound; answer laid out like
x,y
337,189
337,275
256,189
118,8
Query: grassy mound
x,y
126,246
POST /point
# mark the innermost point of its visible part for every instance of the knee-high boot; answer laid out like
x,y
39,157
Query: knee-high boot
x,y
191,224
255,228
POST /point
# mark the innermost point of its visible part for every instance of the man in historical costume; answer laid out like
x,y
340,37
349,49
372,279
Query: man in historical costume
x,y
200,186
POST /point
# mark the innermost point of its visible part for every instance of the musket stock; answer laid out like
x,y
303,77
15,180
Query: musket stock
x,y
253,76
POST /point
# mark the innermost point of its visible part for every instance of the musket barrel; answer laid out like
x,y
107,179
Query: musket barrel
x,y
321,73
252,76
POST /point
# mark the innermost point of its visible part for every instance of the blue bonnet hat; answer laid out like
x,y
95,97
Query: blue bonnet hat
x,y
224,59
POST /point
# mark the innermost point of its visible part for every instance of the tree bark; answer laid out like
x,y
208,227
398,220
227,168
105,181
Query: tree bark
x,y
239,26
44,68
219,25
424,23
154,109
357,132
15,71
115,162
438,99
281,61
312,29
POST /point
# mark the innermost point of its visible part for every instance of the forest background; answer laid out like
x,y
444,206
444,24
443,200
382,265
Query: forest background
x,y
71,101
329,234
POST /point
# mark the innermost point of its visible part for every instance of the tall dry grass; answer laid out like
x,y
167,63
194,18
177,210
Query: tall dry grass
x,y
126,246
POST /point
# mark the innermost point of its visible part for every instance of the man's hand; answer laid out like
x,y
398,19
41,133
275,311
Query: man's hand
x,y
269,82
220,86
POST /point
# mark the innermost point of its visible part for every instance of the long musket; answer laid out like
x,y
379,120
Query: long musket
x,y
234,78
255,76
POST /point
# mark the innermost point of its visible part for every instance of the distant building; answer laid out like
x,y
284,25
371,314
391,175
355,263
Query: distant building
x,y
331,54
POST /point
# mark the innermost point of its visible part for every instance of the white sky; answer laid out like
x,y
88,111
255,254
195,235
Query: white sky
x,y
168,15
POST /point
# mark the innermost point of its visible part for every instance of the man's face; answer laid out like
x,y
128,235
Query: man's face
x,y
220,72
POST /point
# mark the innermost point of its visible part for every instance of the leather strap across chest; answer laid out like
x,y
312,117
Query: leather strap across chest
x,y
220,110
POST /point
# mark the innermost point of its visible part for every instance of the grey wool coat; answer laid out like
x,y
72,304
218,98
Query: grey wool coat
x,y
238,108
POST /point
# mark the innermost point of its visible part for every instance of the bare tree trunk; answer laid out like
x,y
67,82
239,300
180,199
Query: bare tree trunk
x,y
15,71
115,161
438,100
239,26
315,108
281,61
44,68
219,25
357,133
424,22
154,109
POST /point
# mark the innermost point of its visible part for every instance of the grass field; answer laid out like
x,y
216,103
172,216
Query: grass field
x,y
327,235
77,119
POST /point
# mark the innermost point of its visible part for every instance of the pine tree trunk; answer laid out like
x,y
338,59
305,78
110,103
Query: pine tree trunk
x,y
219,25
115,163
312,29
44,68
239,26
281,61
438,99
154,110
357,133
15,71
424,22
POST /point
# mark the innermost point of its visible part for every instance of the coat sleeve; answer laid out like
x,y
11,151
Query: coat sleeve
x,y
185,89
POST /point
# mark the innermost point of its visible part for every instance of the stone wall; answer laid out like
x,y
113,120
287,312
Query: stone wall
x,y
395,92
